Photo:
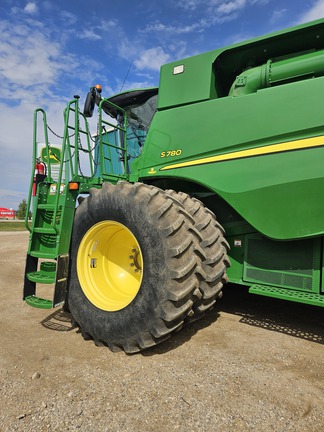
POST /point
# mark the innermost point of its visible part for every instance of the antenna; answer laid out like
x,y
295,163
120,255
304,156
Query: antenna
x,y
130,66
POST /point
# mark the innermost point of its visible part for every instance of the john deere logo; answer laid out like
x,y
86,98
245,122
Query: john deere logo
x,y
152,171
54,155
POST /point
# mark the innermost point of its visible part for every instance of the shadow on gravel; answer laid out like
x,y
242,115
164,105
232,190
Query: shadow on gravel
x,y
58,321
183,335
294,319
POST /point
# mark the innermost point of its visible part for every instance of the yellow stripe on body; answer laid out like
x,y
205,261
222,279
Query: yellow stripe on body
x,y
275,148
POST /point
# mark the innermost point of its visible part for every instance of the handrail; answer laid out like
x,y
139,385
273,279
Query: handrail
x,y
67,149
70,160
34,158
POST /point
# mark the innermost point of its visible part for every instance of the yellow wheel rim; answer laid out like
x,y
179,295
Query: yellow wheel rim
x,y
110,265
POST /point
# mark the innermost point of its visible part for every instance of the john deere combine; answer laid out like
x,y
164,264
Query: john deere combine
x,y
236,132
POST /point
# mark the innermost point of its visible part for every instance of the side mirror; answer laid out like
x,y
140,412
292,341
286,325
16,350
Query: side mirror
x,y
92,97
89,103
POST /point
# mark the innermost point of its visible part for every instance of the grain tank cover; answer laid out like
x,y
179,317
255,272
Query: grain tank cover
x,y
187,81
211,75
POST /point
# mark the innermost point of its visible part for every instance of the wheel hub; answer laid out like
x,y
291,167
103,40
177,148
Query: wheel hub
x,y
135,260
110,265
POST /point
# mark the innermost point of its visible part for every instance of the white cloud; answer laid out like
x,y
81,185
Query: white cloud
x,y
180,49
152,59
31,8
130,84
277,15
144,59
31,64
228,7
260,2
68,17
15,152
108,25
219,10
90,35
172,29
207,14
16,147
315,12
128,50
189,4
238,37
25,60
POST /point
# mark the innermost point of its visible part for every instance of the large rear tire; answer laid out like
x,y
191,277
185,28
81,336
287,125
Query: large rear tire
x,y
135,266
215,248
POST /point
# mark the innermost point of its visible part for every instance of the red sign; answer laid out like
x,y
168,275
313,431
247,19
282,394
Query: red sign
x,y
6,213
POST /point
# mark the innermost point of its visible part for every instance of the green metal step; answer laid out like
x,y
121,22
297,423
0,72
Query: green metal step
x,y
38,302
45,255
46,206
40,277
288,294
44,230
45,275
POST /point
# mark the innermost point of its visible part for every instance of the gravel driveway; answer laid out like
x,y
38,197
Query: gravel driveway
x,y
251,364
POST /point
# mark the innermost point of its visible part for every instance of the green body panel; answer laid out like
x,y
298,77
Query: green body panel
x,y
185,88
286,270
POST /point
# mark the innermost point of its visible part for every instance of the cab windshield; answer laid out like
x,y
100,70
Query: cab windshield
x,y
140,107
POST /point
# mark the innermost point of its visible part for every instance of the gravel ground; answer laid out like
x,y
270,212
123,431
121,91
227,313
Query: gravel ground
x,y
251,364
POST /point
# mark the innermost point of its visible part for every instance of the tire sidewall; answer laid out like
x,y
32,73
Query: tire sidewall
x,y
138,315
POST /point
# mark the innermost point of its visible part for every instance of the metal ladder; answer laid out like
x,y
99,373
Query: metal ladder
x,y
49,241
47,260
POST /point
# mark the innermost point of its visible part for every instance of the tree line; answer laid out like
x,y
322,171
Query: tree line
x,y
22,210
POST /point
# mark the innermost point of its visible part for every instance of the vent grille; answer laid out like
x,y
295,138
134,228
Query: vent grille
x,y
283,264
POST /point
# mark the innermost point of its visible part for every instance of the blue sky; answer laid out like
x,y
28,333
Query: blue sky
x,y
51,50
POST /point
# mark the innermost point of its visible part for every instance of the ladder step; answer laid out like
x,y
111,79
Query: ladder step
x,y
40,277
38,302
45,275
45,255
46,206
48,266
44,230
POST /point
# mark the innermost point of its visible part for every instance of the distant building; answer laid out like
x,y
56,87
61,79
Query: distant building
x,y
7,213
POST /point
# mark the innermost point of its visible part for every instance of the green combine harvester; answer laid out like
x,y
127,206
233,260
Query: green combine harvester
x,y
124,223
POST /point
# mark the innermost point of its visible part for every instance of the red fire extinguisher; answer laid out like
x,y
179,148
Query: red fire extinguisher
x,y
39,174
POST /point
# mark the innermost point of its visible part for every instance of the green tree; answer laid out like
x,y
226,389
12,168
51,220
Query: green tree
x,y
22,208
